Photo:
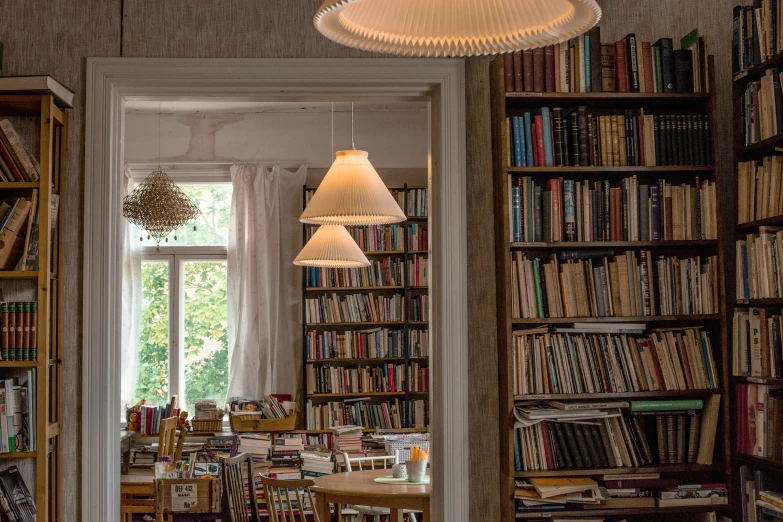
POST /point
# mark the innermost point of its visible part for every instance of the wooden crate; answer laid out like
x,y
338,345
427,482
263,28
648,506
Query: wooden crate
x,y
187,495
248,422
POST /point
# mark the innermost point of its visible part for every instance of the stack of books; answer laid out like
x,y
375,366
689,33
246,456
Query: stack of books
x,y
574,210
354,344
758,349
584,64
384,271
760,264
545,492
285,458
19,339
633,284
17,413
759,188
257,444
347,439
354,308
17,162
692,495
407,413
759,420
594,358
19,231
317,462
219,447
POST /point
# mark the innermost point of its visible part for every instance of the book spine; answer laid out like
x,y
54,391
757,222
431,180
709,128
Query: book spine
x,y
528,71
539,81
621,66
508,71
633,63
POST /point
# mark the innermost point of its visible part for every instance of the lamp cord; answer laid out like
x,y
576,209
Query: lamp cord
x,y
159,109
331,158
352,144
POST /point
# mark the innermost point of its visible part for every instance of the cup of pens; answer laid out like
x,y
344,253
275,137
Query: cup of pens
x,y
417,465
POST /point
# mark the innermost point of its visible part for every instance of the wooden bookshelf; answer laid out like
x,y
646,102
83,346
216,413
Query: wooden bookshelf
x,y
407,324
46,288
602,103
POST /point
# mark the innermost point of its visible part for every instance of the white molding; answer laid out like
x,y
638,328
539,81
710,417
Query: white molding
x,y
110,81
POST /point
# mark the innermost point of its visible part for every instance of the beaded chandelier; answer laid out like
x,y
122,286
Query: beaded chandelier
x,y
159,206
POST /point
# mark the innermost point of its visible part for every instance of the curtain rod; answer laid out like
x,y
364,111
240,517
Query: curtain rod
x,y
216,163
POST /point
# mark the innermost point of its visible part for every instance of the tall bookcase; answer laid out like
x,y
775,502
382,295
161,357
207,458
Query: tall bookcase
x,y
46,286
409,355
515,104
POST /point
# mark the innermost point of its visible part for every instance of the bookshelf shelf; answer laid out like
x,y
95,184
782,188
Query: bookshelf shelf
x,y
637,319
769,465
332,325
667,468
773,301
17,274
758,380
621,171
19,185
355,361
763,147
18,364
625,395
583,245
368,394
19,455
420,252
620,512
751,225
351,288
383,252
753,73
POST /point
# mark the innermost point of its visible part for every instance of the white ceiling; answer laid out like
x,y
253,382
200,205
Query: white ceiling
x,y
245,107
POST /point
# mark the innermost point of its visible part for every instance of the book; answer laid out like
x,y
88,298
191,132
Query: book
x,y
549,487
667,405
17,502
11,244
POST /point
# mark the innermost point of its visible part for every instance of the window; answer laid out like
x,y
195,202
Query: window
x,y
183,348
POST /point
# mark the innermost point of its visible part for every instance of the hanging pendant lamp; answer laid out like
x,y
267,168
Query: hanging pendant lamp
x,y
332,247
453,27
352,193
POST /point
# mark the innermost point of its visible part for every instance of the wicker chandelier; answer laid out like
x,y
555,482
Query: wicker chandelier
x,y
159,206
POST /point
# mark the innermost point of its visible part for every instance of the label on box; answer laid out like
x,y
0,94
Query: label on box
x,y
183,496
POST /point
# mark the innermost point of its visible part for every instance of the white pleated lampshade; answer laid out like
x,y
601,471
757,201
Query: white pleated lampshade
x,y
352,193
332,247
453,27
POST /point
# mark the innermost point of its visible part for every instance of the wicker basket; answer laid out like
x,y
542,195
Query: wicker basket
x,y
207,426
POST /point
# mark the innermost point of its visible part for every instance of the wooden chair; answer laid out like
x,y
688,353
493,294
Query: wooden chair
x,y
234,502
279,500
166,437
377,462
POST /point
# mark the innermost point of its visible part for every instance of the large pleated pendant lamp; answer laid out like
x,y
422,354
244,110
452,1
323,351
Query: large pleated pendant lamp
x,y
453,27
331,247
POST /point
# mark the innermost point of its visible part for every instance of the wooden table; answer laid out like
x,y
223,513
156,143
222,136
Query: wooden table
x,y
358,488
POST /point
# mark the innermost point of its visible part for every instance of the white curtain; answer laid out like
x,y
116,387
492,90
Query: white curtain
x,y
264,286
131,302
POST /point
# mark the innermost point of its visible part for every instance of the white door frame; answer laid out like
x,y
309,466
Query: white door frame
x,y
112,81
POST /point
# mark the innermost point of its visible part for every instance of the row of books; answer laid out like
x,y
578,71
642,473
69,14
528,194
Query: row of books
x,y
417,203
399,413
756,37
584,64
420,308
384,271
354,308
17,413
760,264
19,231
576,360
758,343
548,438
759,421
362,379
759,189
761,496
583,210
376,343
17,162
418,238
148,420
628,285
374,238
19,339
557,137
762,108
418,270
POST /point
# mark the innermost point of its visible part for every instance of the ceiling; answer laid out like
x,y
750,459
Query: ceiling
x,y
244,106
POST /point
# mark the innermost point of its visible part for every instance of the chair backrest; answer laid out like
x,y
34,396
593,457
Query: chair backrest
x,y
362,463
280,500
168,431
180,445
234,502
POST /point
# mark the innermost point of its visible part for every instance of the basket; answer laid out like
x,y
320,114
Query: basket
x,y
253,422
207,426
403,448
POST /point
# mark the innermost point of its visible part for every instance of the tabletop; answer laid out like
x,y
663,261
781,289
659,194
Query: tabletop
x,y
361,483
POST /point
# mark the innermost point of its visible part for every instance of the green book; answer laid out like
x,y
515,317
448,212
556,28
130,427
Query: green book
x,y
684,404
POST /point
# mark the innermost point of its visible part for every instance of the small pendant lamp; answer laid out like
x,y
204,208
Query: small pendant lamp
x,y
453,27
332,247
352,193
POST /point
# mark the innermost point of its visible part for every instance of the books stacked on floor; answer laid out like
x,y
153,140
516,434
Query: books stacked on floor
x,y
19,231
760,264
759,426
692,495
406,413
219,447
578,137
354,308
756,36
19,340
339,379
548,437
285,458
418,238
417,203
605,285
418,270
760,188
257,444
17,162
16,502
761,495
597,358
758,350
418,379
572,210
317,462
385,271
347,439
420,308
418,343
355,344
584,64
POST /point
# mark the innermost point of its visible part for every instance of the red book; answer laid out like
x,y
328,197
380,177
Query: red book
x,y
508,70
621,66
656,365
549,67
750,410
518,70
548,453
10,162
742,416
649,85
539,135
